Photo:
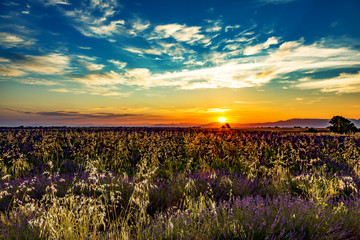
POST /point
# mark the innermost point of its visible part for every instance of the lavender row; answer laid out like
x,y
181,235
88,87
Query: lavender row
x,y
253,153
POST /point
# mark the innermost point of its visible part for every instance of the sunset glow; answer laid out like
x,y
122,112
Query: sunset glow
x,y
222,119
178,63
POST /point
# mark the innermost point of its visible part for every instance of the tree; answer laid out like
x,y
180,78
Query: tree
x,y
226,126
341,125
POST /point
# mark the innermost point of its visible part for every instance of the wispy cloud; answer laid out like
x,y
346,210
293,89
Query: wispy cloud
x,y
176,51
98,79
37,82
213,26
102,90
182,33
56,2
4,60
60,90
232,27
344,83
142,51
75,114
276,1
85,48
47,64
248,71
88,63
231,75
248,102
10,3
204,110
138,25
251,50
106,30
25,64
93,19
9,40
11,72
210,110
118,64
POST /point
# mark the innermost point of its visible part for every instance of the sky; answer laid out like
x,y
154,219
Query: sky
x,y
141,62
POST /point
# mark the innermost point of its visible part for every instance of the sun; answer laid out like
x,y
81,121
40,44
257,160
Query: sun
x,y
222,119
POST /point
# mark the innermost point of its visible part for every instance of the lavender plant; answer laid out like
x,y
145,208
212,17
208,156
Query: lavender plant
x,y
178,184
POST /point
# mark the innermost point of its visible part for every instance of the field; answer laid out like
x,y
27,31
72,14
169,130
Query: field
x,y
158,183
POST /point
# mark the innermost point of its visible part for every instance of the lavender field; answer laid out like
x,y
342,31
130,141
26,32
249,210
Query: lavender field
x,y
154,183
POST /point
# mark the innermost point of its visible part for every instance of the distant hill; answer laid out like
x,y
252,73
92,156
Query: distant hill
x,y
290,123
175,125
299,122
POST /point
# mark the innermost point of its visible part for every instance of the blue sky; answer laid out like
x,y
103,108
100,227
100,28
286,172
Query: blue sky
x,y
115,62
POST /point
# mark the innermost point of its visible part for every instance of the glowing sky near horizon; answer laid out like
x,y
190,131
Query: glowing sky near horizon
x,y
139,63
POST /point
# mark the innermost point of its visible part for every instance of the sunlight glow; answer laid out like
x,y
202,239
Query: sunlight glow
x,y
222,119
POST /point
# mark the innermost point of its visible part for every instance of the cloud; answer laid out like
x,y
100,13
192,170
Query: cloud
x,y
270,41
53,63
10,3
344,83
4,60
105,30
103,84
60,90
205,110
93,18
232,47
176,51
276,1
152,51
88,62
107,91
75,114
37,82
92,66
232,27
56,2
294,56
98,108
11,72
47,65
8,40
85,48
251,50
213,26
210,110
182,33
87,58
286,49
138,26
142,51
98,79
230,75
238,72
133,50
118,64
